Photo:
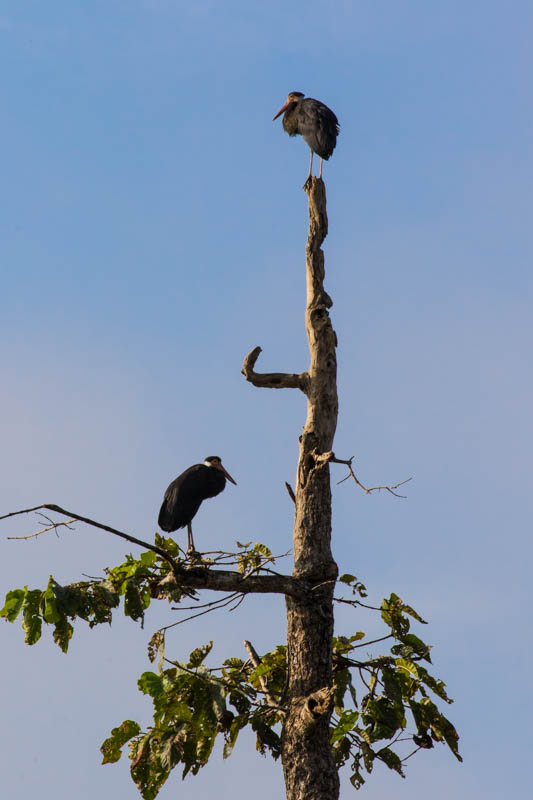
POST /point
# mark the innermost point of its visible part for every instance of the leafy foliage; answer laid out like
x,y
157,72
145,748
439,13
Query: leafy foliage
x,y
383,705
92,601
396,687
190,710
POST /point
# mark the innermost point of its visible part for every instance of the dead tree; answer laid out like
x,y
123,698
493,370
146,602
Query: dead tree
x,y
298,686
308,764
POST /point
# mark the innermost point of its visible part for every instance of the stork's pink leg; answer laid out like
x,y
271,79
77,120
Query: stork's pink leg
x,y
321,162
190,540
310,164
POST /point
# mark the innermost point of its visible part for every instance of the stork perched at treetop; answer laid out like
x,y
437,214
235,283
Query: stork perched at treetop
x,y
314,121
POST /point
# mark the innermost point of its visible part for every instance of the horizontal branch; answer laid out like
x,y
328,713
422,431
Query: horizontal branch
x,y
271,380
194,577
228,581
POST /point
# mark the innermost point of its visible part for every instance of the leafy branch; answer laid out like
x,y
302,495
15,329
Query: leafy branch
x,y
382,703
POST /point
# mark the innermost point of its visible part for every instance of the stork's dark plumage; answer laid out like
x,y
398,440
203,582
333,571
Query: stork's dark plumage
x,y
314,121
185,495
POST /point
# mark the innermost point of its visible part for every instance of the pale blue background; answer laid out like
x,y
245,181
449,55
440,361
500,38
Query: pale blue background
x,y
152,232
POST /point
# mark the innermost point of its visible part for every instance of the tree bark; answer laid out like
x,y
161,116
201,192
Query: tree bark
x,y
309,768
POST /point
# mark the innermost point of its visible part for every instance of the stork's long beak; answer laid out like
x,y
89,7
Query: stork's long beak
x,y
281,110
228,476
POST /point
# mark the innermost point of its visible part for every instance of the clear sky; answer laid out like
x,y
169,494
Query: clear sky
x,y
152,232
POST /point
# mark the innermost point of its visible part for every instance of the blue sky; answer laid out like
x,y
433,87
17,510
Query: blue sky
x,y
152,232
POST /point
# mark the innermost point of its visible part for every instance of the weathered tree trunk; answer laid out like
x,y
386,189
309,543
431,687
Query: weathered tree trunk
x,y
308,765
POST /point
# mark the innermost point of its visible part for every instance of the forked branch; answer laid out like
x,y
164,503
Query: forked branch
x,y
330,458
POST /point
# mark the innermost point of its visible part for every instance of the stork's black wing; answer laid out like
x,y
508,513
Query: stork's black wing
x,y
318,125
186,493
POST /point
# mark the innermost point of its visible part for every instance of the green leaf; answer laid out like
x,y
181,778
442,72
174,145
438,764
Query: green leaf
x,y
156,646
152,684
357,779
357,587
63,633
31,619
414,614
111,749
368,756
146,769
13,604
218,702
341,750
70,600
391,759
148,558
133,602
347,578
199,654
234,663
50,612
237,725
267,739
342,678
435,685
392,685
407,666
345,724
262,549
383,718
417,645
240,702
443,728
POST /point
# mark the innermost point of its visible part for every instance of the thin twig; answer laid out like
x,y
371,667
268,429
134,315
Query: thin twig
x,y
363,680
370,489
204,605
326,458
177,569
324,583
216,606
238,602
51,527
411,754
373,641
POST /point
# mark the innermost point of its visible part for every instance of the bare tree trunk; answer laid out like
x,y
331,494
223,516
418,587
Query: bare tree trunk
x,y
308,765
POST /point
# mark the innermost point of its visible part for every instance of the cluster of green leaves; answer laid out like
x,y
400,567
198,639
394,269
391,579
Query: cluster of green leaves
x,y
191,707
194,704
92,601
396,697
136,580
252,558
